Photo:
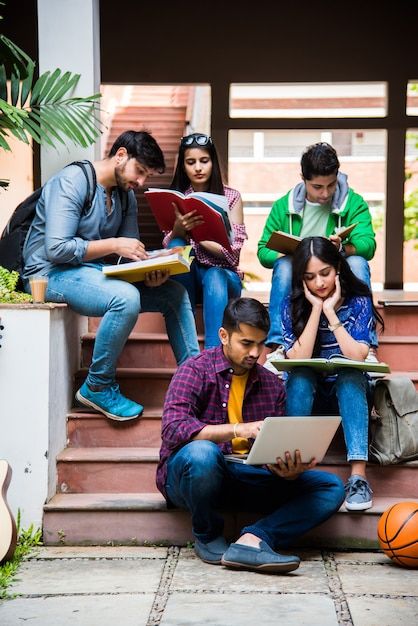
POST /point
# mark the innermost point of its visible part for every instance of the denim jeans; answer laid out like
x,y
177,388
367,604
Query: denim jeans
x,y
281,285
89,292
213,286
202,482
348,395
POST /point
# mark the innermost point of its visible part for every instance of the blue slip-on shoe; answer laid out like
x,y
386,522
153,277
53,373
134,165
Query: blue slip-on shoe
x,y
262,559
358,494
212,551
110,402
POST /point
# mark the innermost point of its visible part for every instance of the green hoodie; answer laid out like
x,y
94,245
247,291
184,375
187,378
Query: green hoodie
x,y
287,213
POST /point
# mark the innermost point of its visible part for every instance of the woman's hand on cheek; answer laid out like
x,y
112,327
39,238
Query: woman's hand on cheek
x,y
314,300
331,302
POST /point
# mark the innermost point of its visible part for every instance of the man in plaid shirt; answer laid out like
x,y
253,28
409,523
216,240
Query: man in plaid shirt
x,y
215,405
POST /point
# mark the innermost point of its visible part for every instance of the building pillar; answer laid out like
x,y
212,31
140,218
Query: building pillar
x,y
69,39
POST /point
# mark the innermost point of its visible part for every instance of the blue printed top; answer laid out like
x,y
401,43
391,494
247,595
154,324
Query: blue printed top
x,y
356,315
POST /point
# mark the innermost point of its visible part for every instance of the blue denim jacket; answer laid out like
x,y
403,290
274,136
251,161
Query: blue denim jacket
x,y
60,232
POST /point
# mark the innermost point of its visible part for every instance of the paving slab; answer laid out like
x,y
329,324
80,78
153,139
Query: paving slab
x,y
70,576
361,557
103,610
383,611
384,579
193,575
100,552
226,609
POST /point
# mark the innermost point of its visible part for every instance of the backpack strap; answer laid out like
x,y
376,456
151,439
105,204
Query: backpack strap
x,y
90,174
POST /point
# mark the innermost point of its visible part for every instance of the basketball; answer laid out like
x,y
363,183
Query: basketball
x,y
397,532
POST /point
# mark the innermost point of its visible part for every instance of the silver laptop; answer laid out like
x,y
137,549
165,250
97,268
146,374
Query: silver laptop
x,y
311,435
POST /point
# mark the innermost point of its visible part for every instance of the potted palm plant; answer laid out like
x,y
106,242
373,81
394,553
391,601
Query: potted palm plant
x,y
42,109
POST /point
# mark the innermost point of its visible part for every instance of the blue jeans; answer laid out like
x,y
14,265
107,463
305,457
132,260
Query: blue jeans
x,y
213,286
281,285
348,395
202,482
89,292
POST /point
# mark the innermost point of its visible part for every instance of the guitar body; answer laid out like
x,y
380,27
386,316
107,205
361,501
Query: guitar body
x,y
8,533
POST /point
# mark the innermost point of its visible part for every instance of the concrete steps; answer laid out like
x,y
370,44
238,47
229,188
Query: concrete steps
x,y
141,518
106,489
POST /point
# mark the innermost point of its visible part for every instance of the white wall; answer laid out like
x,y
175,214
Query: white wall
x,y
69,39
40,353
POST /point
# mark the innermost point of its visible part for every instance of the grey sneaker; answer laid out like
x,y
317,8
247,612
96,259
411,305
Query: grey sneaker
x,y
358,494
372,358
277,355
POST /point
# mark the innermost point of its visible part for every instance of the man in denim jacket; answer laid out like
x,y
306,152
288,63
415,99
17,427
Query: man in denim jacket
x,y
69,245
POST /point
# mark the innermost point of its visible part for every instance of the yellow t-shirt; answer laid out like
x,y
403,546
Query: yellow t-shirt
x,y
235,402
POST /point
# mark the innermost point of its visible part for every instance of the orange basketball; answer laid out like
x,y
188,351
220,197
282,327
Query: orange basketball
x,y
397,532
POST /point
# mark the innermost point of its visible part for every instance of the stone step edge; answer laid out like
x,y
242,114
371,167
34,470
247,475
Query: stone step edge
x,y
136,502
83,413
162,337
168,372
133,454
139,336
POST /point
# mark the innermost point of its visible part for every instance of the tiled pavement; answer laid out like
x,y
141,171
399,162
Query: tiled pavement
x,y
147,586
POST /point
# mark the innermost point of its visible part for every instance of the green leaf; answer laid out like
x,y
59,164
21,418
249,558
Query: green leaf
x,y
15,86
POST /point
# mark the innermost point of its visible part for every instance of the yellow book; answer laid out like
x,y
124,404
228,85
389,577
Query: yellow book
x,y
135,271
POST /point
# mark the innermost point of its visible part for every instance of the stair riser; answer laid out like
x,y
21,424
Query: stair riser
x,y
136,476
400,356
106,477
400,321
173,527
103,433
149,323
147,391
136,353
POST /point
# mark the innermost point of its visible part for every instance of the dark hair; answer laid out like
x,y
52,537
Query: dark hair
x,y
141,146
320,159
181,181
245,311
326,251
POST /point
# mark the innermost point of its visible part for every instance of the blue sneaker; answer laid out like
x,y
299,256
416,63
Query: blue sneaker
x,y
110,402
358,494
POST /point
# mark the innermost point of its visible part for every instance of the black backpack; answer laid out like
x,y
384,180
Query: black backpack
x,y
14,235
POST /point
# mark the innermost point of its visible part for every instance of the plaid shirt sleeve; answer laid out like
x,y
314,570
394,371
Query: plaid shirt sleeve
x,y
180,422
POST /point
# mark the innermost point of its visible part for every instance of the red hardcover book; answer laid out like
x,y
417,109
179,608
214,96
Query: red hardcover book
x,y
211,206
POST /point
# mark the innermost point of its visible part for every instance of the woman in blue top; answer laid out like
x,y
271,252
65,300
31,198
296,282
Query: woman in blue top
x,y
330,311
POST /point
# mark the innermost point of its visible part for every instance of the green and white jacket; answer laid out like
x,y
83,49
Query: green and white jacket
x,y
347,207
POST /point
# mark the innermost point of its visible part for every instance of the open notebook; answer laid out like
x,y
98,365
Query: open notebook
x,y
311,435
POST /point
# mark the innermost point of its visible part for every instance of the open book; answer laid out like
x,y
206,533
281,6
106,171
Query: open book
x,y
212,207
287,244
134,271
336,361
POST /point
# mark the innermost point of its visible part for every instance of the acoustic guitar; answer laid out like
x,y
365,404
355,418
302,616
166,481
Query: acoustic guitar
x,y
8,533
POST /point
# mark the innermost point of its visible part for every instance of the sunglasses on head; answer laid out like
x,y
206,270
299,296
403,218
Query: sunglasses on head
x,y
201,140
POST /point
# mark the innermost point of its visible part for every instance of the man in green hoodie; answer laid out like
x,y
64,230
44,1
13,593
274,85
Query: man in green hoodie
x,y
318,206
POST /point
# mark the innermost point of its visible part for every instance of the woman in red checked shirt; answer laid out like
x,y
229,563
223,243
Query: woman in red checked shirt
x,y
214,277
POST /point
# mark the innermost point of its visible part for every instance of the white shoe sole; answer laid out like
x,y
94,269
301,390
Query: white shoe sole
x,y
363,506
89,403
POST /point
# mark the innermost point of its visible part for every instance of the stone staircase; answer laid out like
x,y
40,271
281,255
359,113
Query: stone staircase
x,y
106,489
